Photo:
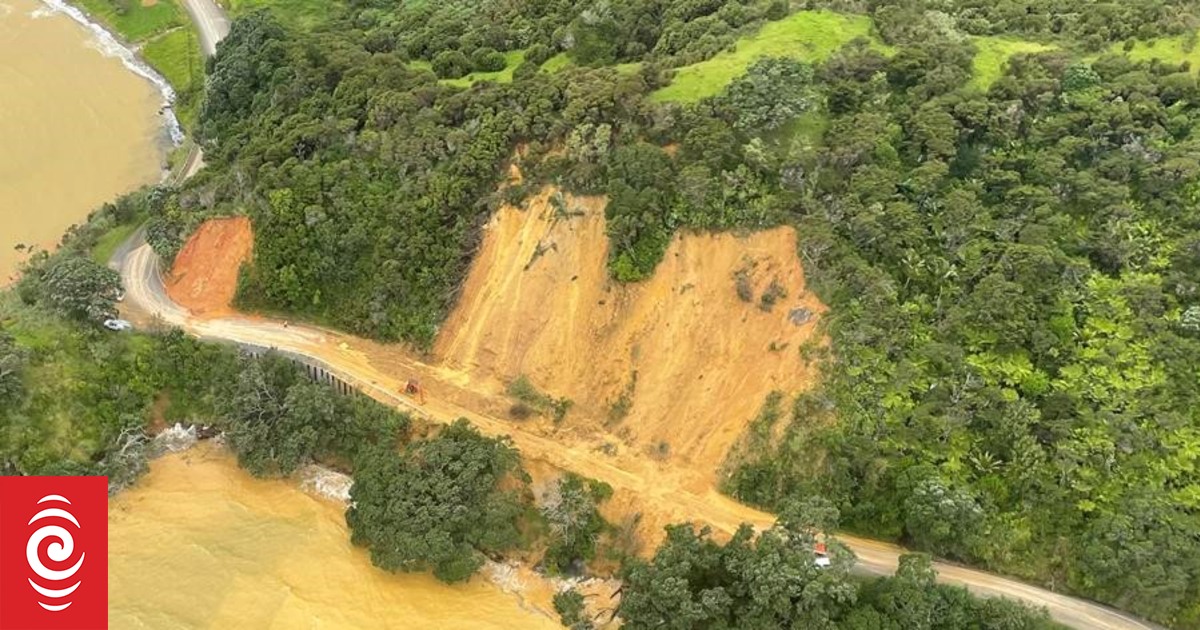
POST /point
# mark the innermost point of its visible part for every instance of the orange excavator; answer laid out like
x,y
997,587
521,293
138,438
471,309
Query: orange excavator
x,y
414,390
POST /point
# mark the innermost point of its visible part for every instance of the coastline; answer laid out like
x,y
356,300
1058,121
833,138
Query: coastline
x,y
532,592
112,45
169,132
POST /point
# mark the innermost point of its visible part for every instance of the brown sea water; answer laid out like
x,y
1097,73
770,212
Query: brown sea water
x,y
199,543
77,128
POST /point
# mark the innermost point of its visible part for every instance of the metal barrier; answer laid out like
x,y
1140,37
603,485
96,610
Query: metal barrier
x,y
345,384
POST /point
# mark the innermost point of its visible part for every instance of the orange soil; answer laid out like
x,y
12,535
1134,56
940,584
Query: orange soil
x,y
204,276
697,360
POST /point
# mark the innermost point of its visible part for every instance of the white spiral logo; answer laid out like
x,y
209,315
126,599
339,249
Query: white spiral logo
x,y
59,551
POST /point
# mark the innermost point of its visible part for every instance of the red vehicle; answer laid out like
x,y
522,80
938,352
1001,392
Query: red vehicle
x,y
821,555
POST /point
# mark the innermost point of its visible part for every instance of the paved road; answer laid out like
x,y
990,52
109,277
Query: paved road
x,y
210,21
677,496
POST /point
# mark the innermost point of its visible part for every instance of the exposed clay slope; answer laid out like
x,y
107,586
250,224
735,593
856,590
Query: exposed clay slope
x,y
204,276
538,301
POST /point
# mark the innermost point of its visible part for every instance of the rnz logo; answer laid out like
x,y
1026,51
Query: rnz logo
x,y
53,553
61,550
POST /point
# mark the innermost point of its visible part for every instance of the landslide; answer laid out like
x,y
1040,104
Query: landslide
x,y
676,366
204,276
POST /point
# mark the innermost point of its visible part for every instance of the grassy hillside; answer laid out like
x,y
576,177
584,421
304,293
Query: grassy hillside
x,y
176,55
137,22
1177,49
807,35
993,53
303,13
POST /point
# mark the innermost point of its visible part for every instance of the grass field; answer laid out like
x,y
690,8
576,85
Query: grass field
x,y
176,55
512,59
807,35
137,23
561,61
302,13
556,63
993,53
1176,49
111,240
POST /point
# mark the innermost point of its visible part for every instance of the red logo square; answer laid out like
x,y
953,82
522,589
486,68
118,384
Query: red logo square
x,y
53,553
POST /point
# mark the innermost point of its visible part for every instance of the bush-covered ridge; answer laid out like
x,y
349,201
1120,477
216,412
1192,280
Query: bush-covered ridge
x,y
1013,271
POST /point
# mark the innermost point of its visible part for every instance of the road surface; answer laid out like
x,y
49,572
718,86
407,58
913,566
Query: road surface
x,y
210,21
213,26
679,495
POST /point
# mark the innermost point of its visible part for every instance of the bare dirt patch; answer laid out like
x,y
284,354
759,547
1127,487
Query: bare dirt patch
x,y
676,366
204,276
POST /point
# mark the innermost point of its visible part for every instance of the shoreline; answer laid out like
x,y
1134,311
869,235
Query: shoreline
x,y
112,45
532,591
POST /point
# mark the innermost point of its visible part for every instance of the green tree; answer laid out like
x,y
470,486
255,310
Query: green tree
x,y
773,91
440,504
451,64
571,610
78,287
13,360
487,60
575,522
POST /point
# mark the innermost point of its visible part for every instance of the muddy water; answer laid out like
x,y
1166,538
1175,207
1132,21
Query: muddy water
x,y
76,127
200,544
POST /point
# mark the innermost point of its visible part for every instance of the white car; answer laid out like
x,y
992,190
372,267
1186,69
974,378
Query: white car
x,y
117,325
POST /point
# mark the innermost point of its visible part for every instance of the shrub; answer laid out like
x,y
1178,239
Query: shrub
x,y
451,64
538,54
488,60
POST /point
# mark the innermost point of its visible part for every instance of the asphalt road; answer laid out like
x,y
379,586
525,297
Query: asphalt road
x,y
210,21
145,294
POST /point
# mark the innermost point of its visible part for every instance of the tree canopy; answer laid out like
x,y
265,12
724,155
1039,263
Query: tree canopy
x,y
440,504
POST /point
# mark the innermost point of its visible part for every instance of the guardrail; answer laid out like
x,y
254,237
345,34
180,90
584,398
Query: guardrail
x,y
343,383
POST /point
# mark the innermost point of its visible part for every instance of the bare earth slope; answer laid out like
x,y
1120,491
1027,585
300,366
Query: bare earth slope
x,y
694,359
204,276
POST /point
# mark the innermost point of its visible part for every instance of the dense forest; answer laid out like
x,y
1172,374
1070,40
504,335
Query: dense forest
x,y
1012,265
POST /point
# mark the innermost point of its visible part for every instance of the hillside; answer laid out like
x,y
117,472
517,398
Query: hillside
x,y
994,203
679,363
